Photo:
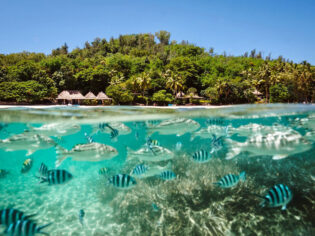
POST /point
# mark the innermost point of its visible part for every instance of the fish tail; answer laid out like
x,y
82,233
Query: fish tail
x,y
61,155
169,165
42,227
242,176
217,183
41,179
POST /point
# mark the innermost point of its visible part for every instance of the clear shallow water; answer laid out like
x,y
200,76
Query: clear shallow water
x,y
273,144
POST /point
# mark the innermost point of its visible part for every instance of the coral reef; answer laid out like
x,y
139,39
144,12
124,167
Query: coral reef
x,y
192,205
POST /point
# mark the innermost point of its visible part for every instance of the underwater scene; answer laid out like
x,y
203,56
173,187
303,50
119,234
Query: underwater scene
x,y
235,170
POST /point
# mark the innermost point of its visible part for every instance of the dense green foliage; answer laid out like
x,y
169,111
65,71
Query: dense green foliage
x,y
138,69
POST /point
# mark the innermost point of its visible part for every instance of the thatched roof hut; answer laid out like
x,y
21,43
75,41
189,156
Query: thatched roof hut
x,y
64,95
257,93
194,96
180,95
90,95
72,96
102,96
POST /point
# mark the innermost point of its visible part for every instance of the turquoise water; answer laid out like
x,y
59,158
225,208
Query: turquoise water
x,y
272,144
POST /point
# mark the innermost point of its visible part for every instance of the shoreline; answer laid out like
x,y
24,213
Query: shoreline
x,y
137,106
100,106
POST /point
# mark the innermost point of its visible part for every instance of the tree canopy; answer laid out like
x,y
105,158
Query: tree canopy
x,y
147,68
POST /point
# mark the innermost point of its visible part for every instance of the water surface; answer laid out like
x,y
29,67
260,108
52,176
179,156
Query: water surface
x,y
272,144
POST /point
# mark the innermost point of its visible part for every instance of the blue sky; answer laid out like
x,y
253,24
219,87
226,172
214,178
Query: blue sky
x,y
279,27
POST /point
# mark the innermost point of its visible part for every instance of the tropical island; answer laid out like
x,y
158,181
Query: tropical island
x,y
152,69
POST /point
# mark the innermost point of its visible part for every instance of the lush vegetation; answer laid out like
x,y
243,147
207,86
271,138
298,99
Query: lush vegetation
x,y
143,68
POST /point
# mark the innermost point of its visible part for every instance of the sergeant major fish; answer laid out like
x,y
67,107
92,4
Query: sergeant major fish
x,y
25,228
11,215
56,177
278,195
231,180
201,156
122,181
148,170
167,175
177,126
92,152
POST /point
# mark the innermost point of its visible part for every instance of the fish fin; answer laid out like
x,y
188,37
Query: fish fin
x,y
279,157
41,179
169,165
61,155
30,152
38,230
284,207
242,176
233,153
129,153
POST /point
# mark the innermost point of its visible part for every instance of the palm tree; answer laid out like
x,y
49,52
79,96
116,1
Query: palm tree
x,y
144,82
174,82
264,79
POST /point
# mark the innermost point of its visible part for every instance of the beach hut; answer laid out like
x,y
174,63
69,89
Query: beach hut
x,y
103,97
63,97
70,96
180,95
90,95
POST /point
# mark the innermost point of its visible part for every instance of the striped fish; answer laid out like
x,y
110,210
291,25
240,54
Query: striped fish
x,y
43,170
122,181
57,177
10,215
25,228
152,142
167,175
3,173
231,180
201,156
27,165
278,195
139,170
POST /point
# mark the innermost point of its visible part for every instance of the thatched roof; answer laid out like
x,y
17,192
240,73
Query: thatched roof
x,y
70,94
257,93
90,95
195,96
64,95
180,95
102,96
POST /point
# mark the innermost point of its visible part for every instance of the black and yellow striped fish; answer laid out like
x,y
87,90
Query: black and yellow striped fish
x,y
27,165
103,171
